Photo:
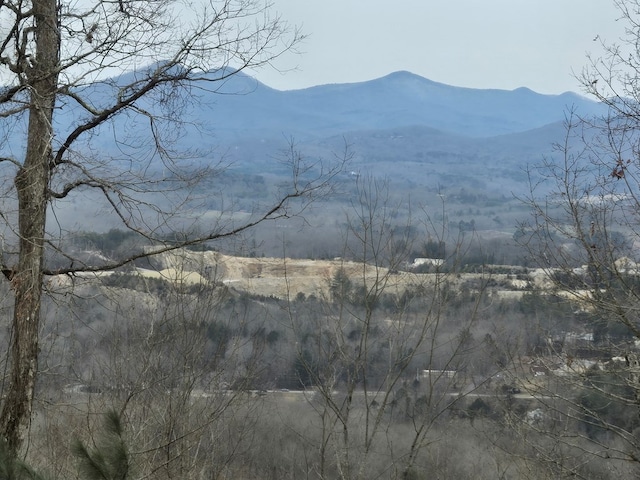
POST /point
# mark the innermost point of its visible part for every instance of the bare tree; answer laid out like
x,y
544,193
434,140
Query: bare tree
x,y
384,357
584,232
57,61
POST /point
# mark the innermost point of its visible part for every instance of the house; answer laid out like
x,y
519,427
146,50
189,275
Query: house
x,y
435,262
539,370
435,374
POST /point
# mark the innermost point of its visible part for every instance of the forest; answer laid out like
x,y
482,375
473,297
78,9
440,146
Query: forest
x,y
376,304
457,368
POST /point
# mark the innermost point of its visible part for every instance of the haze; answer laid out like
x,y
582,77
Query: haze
x,y
502,44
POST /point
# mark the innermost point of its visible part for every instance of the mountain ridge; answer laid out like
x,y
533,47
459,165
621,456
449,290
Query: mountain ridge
x,y
422,135
397,99
241,107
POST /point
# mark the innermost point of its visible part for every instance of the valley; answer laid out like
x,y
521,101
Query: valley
x,y
371,278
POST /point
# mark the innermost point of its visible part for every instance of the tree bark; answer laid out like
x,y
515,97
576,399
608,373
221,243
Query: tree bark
x,y
32,184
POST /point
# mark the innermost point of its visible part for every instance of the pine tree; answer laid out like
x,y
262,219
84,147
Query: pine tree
x,y
110,459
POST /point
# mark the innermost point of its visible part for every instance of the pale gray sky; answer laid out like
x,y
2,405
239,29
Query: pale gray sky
x,y
501,44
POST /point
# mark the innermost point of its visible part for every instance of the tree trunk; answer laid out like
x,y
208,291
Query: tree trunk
x,y
32,182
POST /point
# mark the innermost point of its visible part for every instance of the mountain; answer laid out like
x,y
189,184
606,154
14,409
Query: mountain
x,y
427,138
240,111
397,100
402,126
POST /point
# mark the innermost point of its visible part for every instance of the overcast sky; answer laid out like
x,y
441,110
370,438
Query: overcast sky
x,y
501,44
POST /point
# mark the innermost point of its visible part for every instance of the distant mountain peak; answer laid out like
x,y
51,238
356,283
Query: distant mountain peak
x,y
406,76
402,74
525,90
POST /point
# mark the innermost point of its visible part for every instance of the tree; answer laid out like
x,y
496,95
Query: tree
x,y
56,59
386,363
111,459
340,285
12,468
584,231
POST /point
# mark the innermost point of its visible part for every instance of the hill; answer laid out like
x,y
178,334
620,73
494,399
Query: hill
x,y
425,137
285,278
240,108
400,99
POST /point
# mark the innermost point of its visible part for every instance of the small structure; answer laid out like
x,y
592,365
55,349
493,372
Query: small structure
x,y
434,262
539,370
435,374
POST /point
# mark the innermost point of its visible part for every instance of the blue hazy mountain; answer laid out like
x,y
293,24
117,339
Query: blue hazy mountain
x,y
250,108
422,135
241,110
401,125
